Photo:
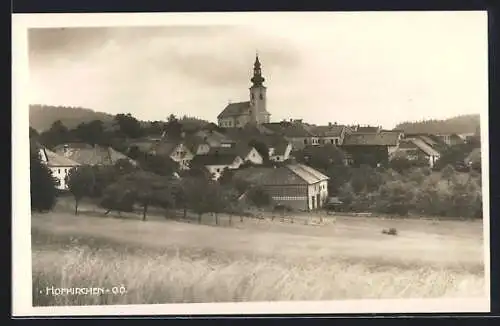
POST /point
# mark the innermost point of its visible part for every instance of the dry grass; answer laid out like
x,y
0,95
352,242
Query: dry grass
x,y
169,262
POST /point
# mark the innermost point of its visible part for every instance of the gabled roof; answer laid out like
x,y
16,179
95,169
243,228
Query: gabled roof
x,y
166,147
385,138
368,129
424,147
54,159
292,174
289,129
307,173
326,131
90,155
235,109
245,135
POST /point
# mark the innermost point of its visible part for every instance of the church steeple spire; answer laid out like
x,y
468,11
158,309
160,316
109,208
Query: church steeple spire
x,y
257,78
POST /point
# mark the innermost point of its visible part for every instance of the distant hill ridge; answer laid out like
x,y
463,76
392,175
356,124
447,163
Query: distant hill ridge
x,y
461,124
41,117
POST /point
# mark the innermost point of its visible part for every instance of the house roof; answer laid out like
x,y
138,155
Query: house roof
x,y
368,129
214,158
289,129
292,174
326,131
54,159
423,146
245,135
235,109
212,136
385,138
91,155
238,149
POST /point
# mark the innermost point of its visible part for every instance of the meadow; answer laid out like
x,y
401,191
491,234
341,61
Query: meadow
x,y
167,261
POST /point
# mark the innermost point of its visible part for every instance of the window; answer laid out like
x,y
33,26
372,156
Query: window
x,y
331,141
261,96
218,170
58,171
305,141
277,158
252,96
336,141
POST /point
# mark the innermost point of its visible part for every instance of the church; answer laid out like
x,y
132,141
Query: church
x,y
239,114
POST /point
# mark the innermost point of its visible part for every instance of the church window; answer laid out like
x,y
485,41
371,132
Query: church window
x,y
261,96
252,96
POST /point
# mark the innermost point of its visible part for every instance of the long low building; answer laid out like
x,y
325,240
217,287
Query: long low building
x,y
296,186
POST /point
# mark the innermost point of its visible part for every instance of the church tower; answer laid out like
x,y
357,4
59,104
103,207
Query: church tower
x,y
258,111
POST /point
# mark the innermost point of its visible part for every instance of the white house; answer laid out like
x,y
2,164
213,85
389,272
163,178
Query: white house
x,y
216,162
58,165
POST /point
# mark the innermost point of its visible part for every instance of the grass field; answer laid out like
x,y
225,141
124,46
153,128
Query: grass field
x,y
161,261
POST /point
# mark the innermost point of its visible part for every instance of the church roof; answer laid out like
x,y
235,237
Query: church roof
x,y
234,109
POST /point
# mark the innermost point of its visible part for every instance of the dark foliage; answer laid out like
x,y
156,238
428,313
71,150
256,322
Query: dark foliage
x,y
42,185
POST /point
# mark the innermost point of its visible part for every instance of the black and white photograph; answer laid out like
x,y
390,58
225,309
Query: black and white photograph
x,y
196,161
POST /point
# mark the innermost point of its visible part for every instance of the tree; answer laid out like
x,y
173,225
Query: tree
x,y
261,148
33,133
91,133
196,195
259,197
81,183
57,134
226,177
173,127
117,197
447,173
395,197
161,165
128,125
147,187
42,185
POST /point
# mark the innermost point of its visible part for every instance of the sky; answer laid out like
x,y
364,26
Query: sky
x,y
351,68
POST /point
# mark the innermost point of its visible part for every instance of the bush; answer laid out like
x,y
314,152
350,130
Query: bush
x,y
395,197
42,185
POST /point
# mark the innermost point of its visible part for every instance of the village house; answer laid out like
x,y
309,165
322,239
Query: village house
x,y
215,163
295,132
86,154
330,134
60,166
242,150
297,186
278,147
451,139
373,149
176,150
214,138
254,111
416,149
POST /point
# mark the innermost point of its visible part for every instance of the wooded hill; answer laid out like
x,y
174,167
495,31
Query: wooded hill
x,y
460,124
